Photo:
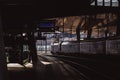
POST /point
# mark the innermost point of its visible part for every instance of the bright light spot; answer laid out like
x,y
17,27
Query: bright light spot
x,y
29,65
56,43
100,0
46,63
57,32
14,65
107,0
114,0
24,34
65,43
81,39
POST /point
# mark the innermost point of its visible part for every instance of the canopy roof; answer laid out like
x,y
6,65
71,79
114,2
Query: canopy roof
x,y
17,13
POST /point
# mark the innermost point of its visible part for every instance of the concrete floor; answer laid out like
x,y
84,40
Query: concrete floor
x,y
84,67
47,68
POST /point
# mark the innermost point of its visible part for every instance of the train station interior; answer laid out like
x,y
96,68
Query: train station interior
x,y
59,40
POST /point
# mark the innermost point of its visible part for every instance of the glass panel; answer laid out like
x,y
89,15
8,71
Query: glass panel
x,y
93,3
100,2
115,3
107,2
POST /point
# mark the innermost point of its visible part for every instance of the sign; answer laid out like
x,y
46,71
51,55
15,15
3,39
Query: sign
x,y
47,26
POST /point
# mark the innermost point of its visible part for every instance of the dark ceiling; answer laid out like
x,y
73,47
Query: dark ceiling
x,y
16,13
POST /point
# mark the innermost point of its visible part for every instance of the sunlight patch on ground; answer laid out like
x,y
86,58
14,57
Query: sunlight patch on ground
x,y
46,63
15,66
18,67
29,65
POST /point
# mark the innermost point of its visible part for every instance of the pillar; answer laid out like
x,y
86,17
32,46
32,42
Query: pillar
x,y
32,47
3,64
78,33
118,22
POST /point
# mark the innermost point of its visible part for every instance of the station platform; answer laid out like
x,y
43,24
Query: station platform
x,y
47,68
61,67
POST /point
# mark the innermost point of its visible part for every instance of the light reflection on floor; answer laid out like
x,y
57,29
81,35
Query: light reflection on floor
x,y
46,63
17,66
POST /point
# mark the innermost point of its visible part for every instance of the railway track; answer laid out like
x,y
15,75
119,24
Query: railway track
x,y
68,72
94,69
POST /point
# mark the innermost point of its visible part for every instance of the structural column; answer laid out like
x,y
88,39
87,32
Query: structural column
x,y
32,47
78,33
3,64
78,36
118,21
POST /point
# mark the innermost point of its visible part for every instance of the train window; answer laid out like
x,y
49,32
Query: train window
x,y
113,3
107,2
100,2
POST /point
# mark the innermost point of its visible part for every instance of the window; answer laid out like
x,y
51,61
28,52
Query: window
x,y
113,3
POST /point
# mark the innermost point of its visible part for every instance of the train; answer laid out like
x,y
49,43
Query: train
x,y
111,46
